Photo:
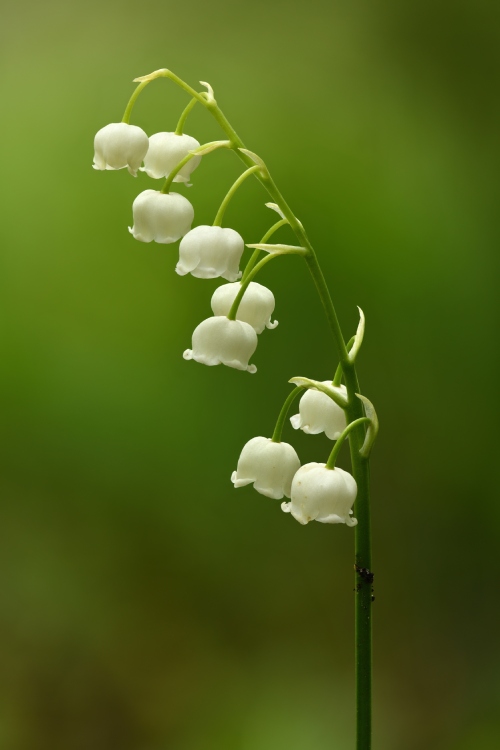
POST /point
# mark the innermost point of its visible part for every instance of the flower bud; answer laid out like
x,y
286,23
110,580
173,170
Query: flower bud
x,y
166,150
208,252
162,217
270,466
219,340
319,413
255,308
120,145
321,494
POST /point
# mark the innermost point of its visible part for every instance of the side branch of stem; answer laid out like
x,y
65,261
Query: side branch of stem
x,y
276,438
232,190
234,307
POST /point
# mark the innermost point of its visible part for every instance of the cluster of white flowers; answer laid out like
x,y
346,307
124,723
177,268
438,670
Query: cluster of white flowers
x,y
206,252
316,492
158,217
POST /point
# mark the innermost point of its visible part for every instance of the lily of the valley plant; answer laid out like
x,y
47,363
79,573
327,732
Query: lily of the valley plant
x,y
242,309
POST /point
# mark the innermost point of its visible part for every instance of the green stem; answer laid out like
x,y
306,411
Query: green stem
x,y
362,532
175,171
182,119
330,464
339,371
215,144
255,255
244,284
364,598
201,97
360,465
132,101
232,190
276,438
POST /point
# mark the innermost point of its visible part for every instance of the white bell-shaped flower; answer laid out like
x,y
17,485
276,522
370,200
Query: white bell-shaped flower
x,y
255,308
165,151
162,217
321,494
319,413
219,340
120,145
208,252
270,466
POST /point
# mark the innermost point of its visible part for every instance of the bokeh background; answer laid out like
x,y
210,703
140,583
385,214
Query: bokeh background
x,y
144,604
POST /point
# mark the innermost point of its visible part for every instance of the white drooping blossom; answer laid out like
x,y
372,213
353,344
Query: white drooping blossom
x,y
321,494
219,340
208,252
319,413
269,465
165,151
255,308
120,145
162,217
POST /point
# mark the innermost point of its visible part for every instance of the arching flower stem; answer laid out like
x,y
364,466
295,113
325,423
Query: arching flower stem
x,y
354,411
168,182
132,101
204,149
182,119
286,250
330,464
232,190
234,307
276,438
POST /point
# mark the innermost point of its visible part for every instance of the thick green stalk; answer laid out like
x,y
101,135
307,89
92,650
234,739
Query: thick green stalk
x,y
337,378
360,465
362,555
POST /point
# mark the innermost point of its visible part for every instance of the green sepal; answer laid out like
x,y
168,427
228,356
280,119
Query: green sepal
x,y
162,72
358,339
319,386
372,430
256,159
275,207
209,147
280,249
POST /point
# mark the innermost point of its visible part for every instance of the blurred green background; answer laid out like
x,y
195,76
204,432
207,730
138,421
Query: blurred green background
x,y
146,605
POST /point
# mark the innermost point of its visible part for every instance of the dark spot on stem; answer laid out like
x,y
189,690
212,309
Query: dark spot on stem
x,y
366,575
